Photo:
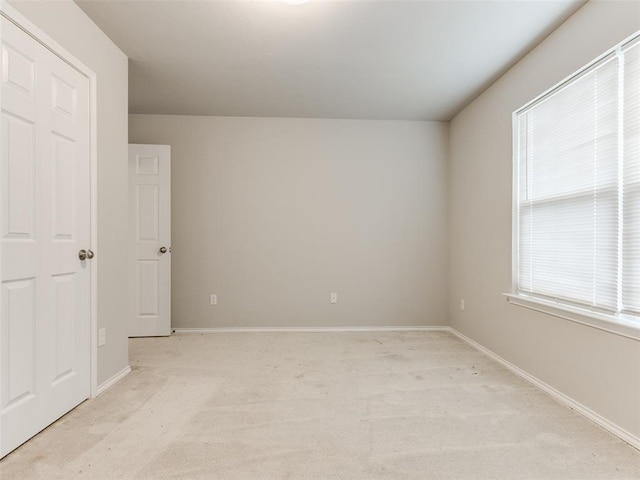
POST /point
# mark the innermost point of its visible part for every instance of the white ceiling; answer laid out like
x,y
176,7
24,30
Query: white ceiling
x,y
412,60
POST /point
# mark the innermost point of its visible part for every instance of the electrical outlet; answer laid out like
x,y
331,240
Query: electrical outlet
x,y
334,297
102,336
213,299
462,304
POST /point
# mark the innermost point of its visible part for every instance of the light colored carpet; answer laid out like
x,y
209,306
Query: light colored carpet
x,y
411,405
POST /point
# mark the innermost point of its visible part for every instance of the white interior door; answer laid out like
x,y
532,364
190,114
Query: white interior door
x,y
150,240
44,222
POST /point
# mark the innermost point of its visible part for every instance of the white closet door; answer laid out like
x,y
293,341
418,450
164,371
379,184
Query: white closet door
x,y
150,240
44,222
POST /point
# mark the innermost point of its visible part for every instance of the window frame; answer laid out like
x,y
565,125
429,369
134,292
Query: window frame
x,y
620,324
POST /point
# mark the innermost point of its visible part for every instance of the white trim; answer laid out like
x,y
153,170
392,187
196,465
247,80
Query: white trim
x,y
103,387
310,329
515,199
93,140
31,29
601,321
567,401
621,178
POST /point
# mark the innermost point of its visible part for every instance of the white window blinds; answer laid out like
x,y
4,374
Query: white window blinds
x,y
578,188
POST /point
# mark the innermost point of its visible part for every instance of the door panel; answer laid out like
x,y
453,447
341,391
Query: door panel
x,y
18,333
62,206
147,223
18,173
45,221
64,308
150,230
148,301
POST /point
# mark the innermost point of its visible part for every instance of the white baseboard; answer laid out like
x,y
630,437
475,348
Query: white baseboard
x,y
596,418
311,329
113,380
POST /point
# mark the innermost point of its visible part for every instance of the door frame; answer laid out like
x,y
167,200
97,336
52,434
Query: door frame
x,y
15,17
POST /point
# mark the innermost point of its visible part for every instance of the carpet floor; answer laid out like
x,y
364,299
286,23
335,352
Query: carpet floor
x,y
344,406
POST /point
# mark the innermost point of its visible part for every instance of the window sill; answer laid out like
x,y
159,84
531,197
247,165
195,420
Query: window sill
x,y
608,323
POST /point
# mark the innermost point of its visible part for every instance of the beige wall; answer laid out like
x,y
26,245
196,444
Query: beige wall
x,y
274,214
598,369
71,28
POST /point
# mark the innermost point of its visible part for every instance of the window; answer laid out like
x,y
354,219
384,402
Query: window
x,y
577,190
